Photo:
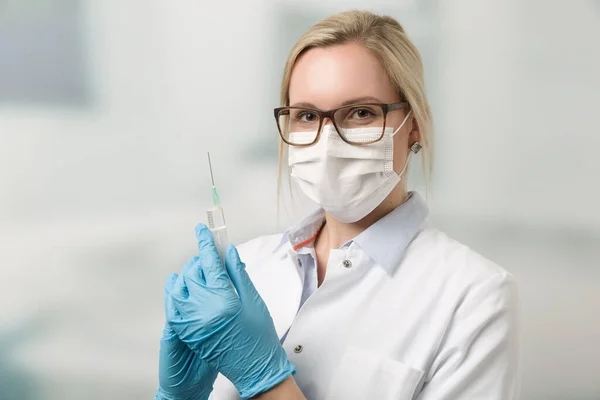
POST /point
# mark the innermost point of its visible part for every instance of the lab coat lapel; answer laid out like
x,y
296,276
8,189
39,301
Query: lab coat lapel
x,y
280,286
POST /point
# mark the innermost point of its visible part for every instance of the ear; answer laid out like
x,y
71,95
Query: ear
x,y
415,132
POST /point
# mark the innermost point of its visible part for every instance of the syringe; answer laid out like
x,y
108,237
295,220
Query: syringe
x,y
216,219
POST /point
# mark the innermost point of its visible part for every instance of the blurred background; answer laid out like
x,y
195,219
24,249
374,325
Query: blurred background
x,y
107,109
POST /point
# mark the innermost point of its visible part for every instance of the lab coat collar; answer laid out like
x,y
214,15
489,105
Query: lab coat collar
x,y
384,241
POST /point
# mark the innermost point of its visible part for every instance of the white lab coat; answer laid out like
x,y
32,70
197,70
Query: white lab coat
x,y
441,326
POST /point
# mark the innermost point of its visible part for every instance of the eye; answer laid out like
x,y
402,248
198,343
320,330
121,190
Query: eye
x,y
307,116
362,113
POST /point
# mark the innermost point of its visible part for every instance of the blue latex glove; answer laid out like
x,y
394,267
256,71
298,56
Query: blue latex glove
x,y
182,374
233,332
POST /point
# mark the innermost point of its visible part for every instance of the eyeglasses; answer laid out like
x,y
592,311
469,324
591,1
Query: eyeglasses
x,y
301,126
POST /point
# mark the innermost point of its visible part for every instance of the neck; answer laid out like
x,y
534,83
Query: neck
x,y
335,233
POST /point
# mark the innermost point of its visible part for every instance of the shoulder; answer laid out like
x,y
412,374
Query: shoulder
x,y
451,256
458,268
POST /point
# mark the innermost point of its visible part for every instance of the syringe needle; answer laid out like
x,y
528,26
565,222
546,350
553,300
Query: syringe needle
x,y
216,218
216,200
210,166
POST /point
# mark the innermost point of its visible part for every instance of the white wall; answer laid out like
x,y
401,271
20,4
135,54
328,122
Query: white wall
x,y
519,131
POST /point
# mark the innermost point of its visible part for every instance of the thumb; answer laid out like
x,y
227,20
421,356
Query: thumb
x,y
238,275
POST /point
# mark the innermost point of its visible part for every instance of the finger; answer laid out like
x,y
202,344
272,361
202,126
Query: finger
x,y
179,287
195,275
238,275
168,333
169,307
168,289
189,264
204,237
169,283
210,262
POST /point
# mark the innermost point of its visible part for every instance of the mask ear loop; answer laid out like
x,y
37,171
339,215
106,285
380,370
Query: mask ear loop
x,y
403,122
415,148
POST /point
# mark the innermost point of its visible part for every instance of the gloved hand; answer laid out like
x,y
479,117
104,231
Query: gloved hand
x,y
233,332
182,374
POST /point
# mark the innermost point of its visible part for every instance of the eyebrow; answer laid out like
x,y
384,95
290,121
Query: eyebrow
x,y
358,100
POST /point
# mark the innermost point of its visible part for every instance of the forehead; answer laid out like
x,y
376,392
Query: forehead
x,y
328,77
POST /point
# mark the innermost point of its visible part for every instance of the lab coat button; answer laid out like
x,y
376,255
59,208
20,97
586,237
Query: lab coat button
x,y
298,349
347,263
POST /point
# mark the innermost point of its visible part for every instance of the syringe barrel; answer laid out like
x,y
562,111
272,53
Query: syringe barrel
x,y
220,238
216,217
216,224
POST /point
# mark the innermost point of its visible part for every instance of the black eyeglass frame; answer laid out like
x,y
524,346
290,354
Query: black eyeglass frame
x,y
385,108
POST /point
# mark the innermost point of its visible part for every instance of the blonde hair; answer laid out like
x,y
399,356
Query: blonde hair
x,y
386,39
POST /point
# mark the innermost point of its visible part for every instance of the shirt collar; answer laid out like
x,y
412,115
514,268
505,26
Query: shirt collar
x,y
384,241
304,231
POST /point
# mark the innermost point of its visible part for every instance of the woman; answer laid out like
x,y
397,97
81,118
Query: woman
x,y
360,300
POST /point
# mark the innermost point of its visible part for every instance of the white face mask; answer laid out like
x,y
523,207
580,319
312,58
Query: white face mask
x,y
347,181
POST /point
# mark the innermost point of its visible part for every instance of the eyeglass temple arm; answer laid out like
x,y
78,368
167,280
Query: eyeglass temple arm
x,y
397,106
